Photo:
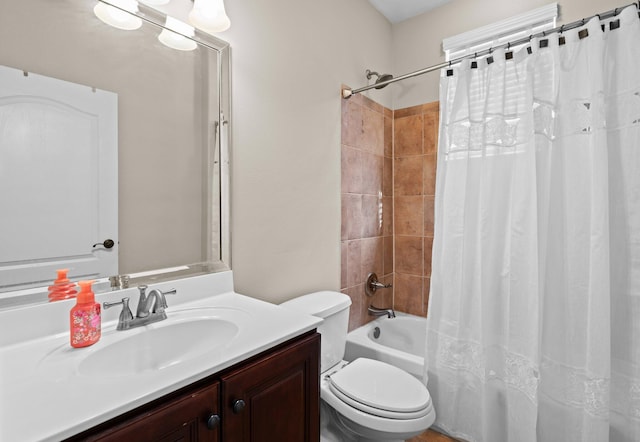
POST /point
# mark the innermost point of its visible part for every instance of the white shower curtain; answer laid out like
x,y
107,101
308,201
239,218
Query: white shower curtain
x,y
534,314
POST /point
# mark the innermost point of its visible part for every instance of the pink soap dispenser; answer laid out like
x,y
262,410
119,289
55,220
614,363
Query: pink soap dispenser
x,y
85,322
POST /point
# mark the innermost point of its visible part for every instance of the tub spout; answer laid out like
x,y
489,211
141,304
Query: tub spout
x,y
375,311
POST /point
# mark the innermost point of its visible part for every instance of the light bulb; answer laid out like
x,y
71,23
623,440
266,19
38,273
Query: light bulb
x,y
174,33
209,16
122,18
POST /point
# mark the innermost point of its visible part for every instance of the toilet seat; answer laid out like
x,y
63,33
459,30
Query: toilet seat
x,y
380,389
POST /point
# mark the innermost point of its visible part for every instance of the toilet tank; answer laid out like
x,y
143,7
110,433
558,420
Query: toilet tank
x,y
333,308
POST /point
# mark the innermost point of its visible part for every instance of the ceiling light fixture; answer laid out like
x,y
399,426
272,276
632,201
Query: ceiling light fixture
x,y
209,16
174,34
119,14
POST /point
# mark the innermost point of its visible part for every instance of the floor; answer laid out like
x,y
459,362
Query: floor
x,y
432,436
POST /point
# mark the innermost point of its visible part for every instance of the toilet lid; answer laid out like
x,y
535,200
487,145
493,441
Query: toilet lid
x,y
381,386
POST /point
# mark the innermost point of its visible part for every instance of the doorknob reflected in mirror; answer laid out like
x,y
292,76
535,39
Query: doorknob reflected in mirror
x,y
107,244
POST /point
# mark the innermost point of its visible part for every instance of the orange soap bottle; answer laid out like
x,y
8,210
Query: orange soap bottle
x,y
85,321
62,288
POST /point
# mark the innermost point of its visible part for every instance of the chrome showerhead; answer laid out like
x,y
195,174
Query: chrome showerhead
x,y
381,78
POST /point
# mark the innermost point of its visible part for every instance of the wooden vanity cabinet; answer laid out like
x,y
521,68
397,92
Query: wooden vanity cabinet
x,y
192,416
274,396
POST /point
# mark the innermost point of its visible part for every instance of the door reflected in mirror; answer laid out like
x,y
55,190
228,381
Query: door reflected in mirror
x,y
54,135
171,170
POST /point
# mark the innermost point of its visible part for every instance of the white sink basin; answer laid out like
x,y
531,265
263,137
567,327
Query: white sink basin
x,y
183,336
159,347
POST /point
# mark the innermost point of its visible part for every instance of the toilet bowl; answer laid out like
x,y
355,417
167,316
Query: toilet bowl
x,y
377,401
368,399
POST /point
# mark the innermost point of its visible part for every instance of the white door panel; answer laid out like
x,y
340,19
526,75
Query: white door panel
x,y
58,180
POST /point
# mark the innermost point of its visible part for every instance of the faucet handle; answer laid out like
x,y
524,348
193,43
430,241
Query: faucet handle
x,y
125,315
373,284
124,302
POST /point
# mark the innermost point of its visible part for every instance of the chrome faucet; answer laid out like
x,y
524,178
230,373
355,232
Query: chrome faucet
x,y
375,311
145,314
155,298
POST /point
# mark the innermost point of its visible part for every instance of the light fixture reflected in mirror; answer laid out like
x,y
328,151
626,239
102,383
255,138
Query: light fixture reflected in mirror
x,y
119,15
174,33
209,16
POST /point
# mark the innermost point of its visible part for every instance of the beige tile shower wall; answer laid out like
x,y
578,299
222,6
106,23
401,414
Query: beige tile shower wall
x,y
415,143
367,203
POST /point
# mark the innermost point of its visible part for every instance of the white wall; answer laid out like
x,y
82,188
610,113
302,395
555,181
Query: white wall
x,y
289,59
417,42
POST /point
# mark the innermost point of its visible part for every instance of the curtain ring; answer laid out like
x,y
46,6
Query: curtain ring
x,y
508,46
615,11
561,29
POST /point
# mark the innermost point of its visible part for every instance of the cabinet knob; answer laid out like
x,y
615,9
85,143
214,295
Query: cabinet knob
x,y
238,406
213,422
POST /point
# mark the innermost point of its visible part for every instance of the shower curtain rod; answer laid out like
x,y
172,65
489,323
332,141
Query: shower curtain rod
x,y
348,93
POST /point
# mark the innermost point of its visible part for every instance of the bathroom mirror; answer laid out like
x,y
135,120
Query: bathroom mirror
x,y
172,134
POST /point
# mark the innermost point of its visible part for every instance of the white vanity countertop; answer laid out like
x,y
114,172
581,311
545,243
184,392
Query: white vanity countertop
x,y
45,397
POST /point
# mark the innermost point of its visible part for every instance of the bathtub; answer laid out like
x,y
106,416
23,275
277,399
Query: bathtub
x,y
400,341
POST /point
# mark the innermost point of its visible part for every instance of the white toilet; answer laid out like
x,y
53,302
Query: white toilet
x,y
365,400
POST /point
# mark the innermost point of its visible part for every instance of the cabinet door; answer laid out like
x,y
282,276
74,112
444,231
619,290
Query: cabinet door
x,y
275,398
193,416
